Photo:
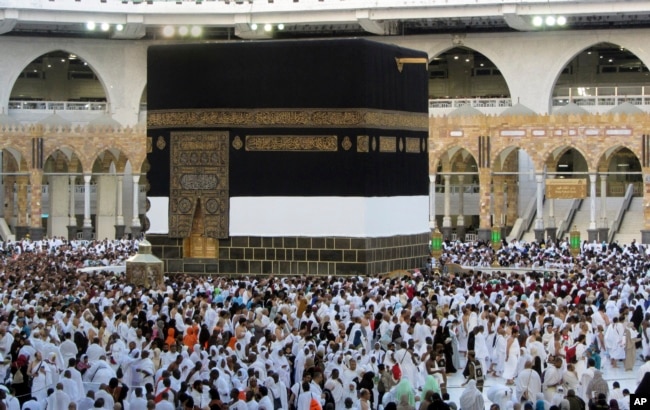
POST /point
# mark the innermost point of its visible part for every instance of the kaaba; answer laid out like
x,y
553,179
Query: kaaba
x,y
287,157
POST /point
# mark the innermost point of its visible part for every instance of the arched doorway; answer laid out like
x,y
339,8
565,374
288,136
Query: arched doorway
x,y
601,77
465,73
513,181
58,80
62,173
457,194
107,182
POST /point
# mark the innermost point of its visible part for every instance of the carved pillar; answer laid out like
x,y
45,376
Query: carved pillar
x,y
136,229
9,199
512,202
72,216
446,220
22,225
35,211
592,232
539,218
485,202
603,230
88,223
499,199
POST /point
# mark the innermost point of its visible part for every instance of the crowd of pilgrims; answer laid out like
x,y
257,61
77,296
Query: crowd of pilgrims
x,y
540,336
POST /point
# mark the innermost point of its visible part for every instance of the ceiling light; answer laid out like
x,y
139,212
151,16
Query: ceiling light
x,y
119,27
550,20
561,21
85,63
467,60
254,26
268,27
91,25
168,31
589,52
280,26
49,66
63,60
105,26
183,30
196,31
455,57
610,60
72,57
538,21
482,64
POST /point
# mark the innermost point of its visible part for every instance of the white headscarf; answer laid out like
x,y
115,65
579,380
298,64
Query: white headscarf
x,y
471,398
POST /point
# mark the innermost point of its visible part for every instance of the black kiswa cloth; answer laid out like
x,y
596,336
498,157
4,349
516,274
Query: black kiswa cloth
x,y
369,120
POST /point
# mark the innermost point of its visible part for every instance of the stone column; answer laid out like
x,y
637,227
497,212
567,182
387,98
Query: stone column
x,y
645,231
539,217
105,207
136,229
512,203
22,226
72,215
88,223
551,228
460,219
58,213
9,200
119,220
499,198
35,210
432,202
592,232
446,220
484,203
603,230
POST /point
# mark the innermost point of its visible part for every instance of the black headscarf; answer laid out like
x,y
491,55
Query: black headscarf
x,y
644,386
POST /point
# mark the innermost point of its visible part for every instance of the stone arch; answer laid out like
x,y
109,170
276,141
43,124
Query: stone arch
x,y
514,171
40,50
15,160
505,155
66,159
108,160
441,155
554,155
608,153
575,48
623,167
471,61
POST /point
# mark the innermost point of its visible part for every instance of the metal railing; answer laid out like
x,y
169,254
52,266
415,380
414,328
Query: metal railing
x,y
565,225
472,102
455,189
602,96
616,224
57,105
522,224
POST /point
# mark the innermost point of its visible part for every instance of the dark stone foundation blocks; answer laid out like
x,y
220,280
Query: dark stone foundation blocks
x,y
298,255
